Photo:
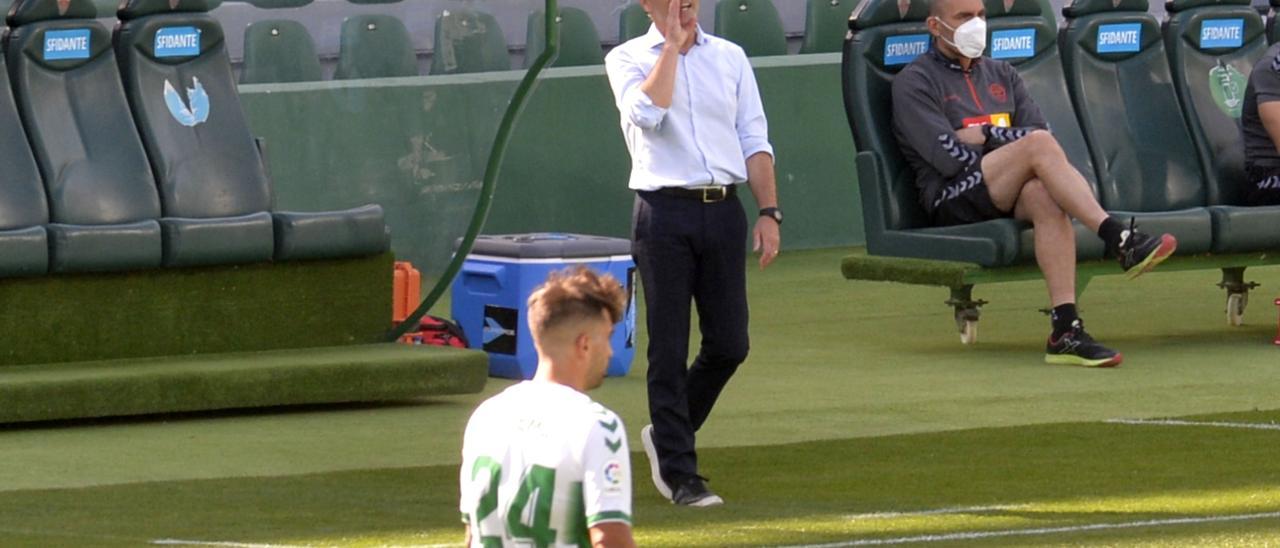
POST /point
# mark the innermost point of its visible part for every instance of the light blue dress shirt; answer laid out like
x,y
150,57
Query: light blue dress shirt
x,y
715,122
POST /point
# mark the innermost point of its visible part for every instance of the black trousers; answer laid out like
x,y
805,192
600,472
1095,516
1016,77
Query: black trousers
x,y
689,252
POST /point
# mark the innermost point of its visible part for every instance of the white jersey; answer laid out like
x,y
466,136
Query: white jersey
x,y
541,463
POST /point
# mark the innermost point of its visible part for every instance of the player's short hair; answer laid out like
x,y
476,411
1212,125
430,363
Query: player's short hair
x,y
573,294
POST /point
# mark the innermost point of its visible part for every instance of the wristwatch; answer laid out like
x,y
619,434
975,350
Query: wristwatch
x,y
772,213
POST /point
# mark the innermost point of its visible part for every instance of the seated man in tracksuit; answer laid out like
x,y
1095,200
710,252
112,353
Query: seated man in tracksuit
x,y
981,150
1260,129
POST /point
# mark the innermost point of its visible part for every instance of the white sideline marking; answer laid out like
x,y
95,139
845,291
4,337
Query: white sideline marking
x,y
181,542
939,511
1041,531
1173,422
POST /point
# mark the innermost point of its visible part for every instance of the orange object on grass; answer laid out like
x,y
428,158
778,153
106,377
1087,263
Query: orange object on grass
x,y
406,291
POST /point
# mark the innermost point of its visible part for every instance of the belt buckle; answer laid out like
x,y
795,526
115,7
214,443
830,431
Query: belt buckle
x,y
710,191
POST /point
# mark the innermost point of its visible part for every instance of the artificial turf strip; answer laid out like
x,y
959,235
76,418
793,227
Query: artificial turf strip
x,y
352,373
165,312
1010,479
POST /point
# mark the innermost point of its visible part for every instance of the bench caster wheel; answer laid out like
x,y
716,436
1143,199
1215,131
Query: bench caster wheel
x,y
968,331
967,311
1236,303
1237,294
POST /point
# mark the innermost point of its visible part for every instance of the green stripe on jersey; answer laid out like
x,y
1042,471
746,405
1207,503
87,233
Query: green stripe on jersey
x,y
608,516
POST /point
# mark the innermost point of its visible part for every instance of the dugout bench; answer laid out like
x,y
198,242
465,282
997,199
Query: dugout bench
x,y
1151,124
143,265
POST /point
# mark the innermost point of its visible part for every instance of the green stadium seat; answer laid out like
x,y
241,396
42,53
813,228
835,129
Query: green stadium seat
x,y
468,41
279,50
24,245
213,184
215,211
1273,32
1212,49
1118,74
103,205
752,24
1020,33
579,41
895,224
825,24
374,46
633,22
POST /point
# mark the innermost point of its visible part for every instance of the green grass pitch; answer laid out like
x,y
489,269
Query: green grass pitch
x,y
859,420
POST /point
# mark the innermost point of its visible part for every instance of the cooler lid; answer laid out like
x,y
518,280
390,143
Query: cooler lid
x,y
548,245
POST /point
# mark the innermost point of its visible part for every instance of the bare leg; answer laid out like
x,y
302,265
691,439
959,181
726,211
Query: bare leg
x,y
1055,240
1039,157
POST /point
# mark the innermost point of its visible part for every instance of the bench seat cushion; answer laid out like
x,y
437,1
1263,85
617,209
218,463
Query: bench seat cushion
x,y
329,234
104,248
222,240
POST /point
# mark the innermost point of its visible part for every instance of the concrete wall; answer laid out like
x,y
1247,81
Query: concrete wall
x,y
418,146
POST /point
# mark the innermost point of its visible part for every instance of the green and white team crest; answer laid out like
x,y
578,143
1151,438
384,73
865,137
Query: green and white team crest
x,y
1227,86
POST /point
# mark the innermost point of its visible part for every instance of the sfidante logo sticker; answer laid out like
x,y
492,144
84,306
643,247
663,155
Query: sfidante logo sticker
x,y
177,42
66,44
1221,33
1120,38
1013,44
900,50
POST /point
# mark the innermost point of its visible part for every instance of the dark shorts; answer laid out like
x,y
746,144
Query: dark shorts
x,y
1264,186
965,200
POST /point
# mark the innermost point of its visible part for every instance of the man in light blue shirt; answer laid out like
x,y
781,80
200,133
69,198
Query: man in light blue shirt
x,y
694,124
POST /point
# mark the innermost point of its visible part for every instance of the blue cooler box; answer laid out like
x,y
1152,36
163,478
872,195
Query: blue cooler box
x,y
490,293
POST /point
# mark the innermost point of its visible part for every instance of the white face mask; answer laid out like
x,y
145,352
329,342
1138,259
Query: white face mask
x,y
970,37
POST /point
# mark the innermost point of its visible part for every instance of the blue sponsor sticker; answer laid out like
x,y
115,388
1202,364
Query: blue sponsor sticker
x,y
66,44
1013,44
1120,38
900,50
1221,33
177,42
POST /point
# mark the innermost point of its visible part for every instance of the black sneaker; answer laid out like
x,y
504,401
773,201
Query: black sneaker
x,y
1076,347
694,492
1140,252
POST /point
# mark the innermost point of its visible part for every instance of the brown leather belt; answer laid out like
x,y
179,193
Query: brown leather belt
x,y
707,195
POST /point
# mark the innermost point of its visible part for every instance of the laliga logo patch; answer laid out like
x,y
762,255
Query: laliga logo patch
x,y
190,117
613,475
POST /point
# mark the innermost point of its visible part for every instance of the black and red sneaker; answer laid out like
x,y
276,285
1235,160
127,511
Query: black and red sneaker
x,y
1140,252
1076,347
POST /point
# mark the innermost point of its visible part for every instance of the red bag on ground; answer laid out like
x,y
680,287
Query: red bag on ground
x,y
436,331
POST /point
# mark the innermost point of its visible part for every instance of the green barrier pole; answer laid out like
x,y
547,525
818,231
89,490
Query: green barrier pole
x,y
496,155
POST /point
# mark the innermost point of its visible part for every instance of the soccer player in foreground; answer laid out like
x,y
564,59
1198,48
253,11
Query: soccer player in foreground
x,y
543,464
